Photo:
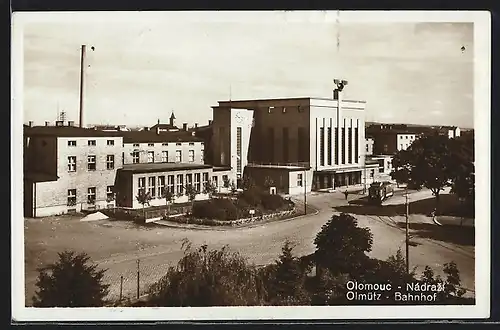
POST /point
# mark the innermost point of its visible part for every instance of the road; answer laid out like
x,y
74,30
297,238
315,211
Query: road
x,y
261,244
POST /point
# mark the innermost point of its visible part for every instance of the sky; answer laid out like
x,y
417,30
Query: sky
x,y
144,68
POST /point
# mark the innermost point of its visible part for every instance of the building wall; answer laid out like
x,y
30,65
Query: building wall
x,y
158,200
52,197
285,180
242,121
404,141
385,144
159,147
41,154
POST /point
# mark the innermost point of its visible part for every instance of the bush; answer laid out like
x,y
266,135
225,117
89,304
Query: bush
x,y
251,196
218,208
206,277
272,202
70,282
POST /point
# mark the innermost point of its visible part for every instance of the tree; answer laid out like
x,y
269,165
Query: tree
x,y
143,198
72,281
226,182
206,277
191,193
169,198
210,189
463,184
287,280
341,246
233,187
427,162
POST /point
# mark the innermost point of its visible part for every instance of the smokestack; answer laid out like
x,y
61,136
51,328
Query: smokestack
x,y
195,125
158,121
30,123
210,122
185,126
82,82
47,123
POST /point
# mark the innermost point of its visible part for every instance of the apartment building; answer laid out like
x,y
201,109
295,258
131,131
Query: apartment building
x,y
68,169
322,139
388,142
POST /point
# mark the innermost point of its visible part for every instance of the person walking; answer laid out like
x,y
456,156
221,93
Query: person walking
x,y
346,193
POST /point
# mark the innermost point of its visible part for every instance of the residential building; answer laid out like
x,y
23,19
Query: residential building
x,y
170,127
69,169
369,142
321,137
390,141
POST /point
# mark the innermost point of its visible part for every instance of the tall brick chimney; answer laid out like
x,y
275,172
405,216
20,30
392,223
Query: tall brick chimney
x,y
184,126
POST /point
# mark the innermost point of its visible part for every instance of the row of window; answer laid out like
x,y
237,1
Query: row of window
x,y
406,137
164,156
91,195
156,185
285,109
91,163
72,143
164,144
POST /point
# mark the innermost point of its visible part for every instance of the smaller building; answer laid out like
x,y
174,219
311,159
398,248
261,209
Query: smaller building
x,y
288,180
170,127
384,166
369,146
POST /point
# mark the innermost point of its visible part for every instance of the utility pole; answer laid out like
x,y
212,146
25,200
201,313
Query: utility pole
x,y
138,263
82,83
407,233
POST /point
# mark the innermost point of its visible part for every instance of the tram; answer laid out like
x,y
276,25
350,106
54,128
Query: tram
x,y
380,191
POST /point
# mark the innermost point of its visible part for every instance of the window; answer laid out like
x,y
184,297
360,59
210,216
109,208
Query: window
x,y
385,148
356,145
215,182
197,186
72,143
270,110
367,148
91,142
343,144
299,180
71,197
164,156
151,156
164,144
349,145
151,144
152,186
202,154
178,156
225,180
178,144
191,143
110,142
91,195
191,156
401,146
189,179
238,150
72,164
283,110
170,183
141,184
161,185
406,137
180,184
286,144
136,145
336,155
110,162
302,144
123,158
329,146
204,182
301,108
322,146
135,157
91,165
110,195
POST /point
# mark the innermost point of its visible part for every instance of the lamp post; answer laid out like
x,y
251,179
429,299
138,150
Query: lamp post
x,y
407,233
305,192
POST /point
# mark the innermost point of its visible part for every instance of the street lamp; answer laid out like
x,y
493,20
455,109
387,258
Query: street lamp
x,y
305,192
407,233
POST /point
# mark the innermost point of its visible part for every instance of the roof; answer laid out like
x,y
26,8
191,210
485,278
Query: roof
x,y
153,136
162,167
164,126
289,98
221,168
67,131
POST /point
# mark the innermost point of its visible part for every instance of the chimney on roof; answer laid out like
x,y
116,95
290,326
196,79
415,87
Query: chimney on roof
x,y
210,122
71,123
184,126
59,123
195,125
158,121
47,123
30,123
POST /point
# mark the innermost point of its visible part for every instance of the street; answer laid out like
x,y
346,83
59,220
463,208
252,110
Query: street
x,y
117,245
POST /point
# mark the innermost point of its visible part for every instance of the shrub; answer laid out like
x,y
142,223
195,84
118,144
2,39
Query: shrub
x,y
272,202
251,196
70,282
219,208
206,277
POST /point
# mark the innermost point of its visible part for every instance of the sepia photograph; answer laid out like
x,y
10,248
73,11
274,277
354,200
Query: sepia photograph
x,y
292,164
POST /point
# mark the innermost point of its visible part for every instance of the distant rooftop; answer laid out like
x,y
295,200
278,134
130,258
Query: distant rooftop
x,y
67,131
153,136
162,167
289,98
280,166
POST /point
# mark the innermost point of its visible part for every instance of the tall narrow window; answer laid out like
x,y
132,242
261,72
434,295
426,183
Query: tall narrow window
x,y
222,144
238,150
204,181
180,184
178,156
301,144
170,184
349,145
337,141
356,145
151,156
141,185
110,162
91,162
91,142
299,180
329,146
91,195
191,156
270,144
110,142
342,133
285,145
71,197
152,186
72,164
135,157
322,146
164,156
189,179
197,179
161,185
